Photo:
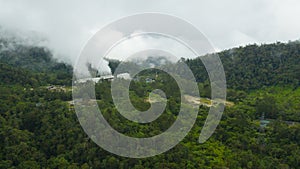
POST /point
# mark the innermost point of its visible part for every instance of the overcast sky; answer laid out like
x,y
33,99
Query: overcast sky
x,y
226,23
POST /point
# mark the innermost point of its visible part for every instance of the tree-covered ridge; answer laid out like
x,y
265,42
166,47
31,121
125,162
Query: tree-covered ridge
x,y
33,60
39,127
253,66
10,74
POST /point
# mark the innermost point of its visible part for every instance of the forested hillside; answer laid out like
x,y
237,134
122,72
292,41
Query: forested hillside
x,y
253,66
34,60
39,127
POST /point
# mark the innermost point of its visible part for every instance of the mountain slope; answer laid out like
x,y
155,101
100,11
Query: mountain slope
x,y
19,62
253,66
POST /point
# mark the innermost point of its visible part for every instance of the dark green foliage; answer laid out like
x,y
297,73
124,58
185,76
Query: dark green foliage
x,y
11,75
39,127
37,60
253,67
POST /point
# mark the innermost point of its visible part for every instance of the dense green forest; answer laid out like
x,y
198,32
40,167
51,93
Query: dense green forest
x,y
39,127
252,67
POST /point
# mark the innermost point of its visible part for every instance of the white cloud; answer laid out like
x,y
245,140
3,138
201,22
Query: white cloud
x,y
69,24
133,45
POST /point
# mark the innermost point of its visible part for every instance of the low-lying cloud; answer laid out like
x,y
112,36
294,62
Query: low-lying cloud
x,y
66,26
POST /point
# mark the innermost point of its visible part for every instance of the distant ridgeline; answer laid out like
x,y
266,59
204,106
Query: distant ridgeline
x,y
17,60
253,66
246,68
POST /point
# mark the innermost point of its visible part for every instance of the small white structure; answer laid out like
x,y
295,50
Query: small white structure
x,y
125,76
107,77
96,79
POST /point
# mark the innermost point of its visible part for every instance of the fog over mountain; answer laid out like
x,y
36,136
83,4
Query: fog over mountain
x,y
65,27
